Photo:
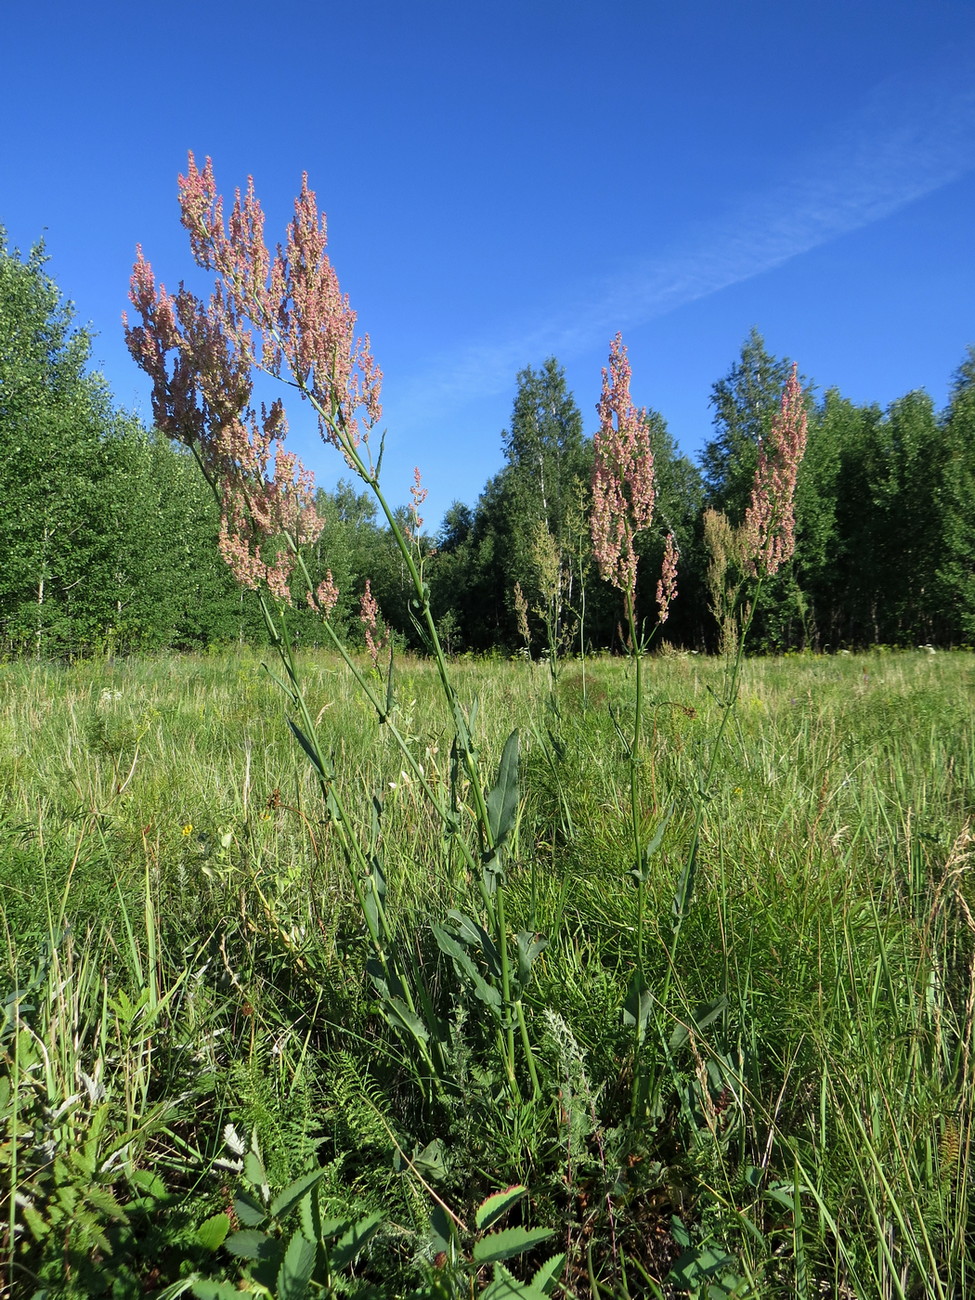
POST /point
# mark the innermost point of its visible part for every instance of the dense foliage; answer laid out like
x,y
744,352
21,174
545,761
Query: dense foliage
x,y
108,530
183,951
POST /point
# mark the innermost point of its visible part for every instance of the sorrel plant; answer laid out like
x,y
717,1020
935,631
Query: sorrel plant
x,y
283,314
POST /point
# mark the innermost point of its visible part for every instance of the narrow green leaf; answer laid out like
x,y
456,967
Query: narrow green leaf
x,y
497,1205
508,1242
296,1269
658,836
389,686
309,749
685,888
348,1246
290,1196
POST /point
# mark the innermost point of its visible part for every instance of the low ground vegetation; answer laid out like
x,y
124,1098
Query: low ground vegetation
x,y
204,1084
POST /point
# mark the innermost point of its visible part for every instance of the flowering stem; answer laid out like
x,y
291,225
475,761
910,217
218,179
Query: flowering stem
x,y
494,905
639,866
367,888
703,792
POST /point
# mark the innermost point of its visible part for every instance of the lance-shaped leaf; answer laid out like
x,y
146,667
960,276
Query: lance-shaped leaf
x,y
497,1205
291,1195
296,1268
636,1007
707,1014
472,934
641,870
351,1242
529,946
466,968
685,888
374,898
508,1242
502,802
313,754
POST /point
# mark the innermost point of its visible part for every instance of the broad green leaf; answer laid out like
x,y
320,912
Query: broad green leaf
x,y
503,1286
212,1232
399,1015
497,1205
506,1287
508,1242
207,1290
249,1211
443,1230
637,1005
529,946
149,1184
296,1268
786,1198
502,802
249,1244
348,1246
290,1196
430,1161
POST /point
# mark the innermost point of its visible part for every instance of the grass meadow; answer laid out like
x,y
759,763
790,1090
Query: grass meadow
x,y
205,1086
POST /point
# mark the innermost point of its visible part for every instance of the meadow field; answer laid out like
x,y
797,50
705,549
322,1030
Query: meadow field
x,y
230,1061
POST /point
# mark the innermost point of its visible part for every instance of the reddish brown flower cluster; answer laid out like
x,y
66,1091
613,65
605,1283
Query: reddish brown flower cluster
x,y
201,396
667,586
377,633
769,531
418,494
277,313
622,484
303,320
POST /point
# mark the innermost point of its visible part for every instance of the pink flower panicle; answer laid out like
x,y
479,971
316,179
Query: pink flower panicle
x,y
623,478
325,596
768,531
266,312
377,633
418,495
201,396
293,300
667,586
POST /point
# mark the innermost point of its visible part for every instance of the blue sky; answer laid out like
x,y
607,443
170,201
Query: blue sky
x,y
513,180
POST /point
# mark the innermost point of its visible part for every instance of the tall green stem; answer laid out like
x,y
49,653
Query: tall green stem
x,y
703,793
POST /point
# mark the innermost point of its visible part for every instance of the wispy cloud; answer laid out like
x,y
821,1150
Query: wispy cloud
x,y
910,138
